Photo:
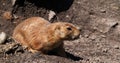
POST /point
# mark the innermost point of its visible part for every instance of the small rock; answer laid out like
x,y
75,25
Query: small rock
x,y
116,47
3,3
97,59
15,16
93,37
51,15
105,24
103,36
13,2
86,35
67,16
3,37
105,50
103,11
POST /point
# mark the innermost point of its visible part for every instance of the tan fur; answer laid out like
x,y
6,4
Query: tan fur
x,y
39,35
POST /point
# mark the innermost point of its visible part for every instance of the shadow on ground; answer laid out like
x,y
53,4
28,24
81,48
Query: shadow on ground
x,y
69,56
72,57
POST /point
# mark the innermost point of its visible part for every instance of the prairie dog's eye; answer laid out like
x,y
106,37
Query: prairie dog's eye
x,y
69,28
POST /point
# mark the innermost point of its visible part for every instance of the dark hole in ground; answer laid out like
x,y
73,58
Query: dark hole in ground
x,y
55,5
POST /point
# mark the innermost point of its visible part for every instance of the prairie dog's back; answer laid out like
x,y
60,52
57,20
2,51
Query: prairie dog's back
x,y
28,28
32,22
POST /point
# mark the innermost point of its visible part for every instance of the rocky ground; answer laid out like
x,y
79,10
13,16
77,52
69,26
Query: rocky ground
x,y
98,19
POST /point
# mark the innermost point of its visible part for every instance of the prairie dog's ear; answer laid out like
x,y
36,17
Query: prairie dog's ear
x,y
57,27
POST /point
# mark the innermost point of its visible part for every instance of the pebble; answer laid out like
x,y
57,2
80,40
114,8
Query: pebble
x,y
51,15
93,37
105,24
105,50
3,37
103,36
116,47
103,11
13,2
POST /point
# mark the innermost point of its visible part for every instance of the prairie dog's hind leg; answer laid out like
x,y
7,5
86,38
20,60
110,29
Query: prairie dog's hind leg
x,y
19,38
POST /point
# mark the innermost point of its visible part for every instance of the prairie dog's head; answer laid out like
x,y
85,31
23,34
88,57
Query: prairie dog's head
x,y
66,30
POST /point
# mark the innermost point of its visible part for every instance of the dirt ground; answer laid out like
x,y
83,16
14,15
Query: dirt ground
x,y
99,41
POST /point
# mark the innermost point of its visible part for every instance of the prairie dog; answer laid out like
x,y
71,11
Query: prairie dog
x,y
39,35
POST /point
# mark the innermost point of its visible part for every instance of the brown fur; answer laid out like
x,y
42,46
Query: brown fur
x,y
39,35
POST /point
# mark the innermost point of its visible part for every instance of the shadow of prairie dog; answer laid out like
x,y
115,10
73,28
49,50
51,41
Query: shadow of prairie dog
x,y
39,35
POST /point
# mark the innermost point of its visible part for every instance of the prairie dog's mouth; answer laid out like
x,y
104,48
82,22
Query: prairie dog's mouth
x,y
75,37
72,37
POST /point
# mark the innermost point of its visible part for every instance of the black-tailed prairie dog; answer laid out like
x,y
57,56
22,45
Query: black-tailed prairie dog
x,y
39,35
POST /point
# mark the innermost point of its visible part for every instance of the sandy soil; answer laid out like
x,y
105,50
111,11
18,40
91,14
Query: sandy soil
x,y
99,20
